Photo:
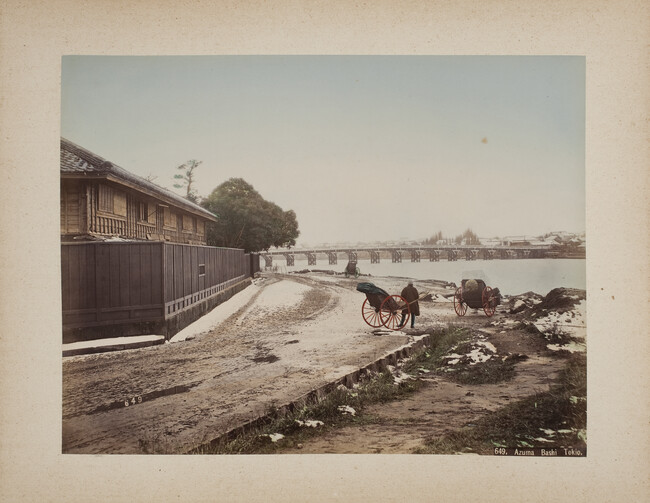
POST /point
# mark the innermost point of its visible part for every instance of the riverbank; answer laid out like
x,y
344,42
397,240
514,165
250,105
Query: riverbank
x,y
512,277
290,335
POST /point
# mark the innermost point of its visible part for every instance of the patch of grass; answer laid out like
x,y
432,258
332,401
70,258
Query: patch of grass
x,y
558,417
376,389
490,372
532,329
432,358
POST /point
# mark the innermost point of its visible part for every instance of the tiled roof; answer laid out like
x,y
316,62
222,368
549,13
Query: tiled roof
x,y
76,160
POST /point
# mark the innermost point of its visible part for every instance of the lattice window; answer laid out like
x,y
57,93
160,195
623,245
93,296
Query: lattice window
x,y
112,201
106,199
170,218
119,203
143,212
188,223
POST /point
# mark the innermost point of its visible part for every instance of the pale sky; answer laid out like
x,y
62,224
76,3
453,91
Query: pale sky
x,y
362,148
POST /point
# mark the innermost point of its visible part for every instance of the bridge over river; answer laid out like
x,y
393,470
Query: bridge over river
x,y
411,252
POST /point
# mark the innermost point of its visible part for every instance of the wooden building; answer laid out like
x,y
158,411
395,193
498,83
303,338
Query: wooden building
x,y
133,254
100,200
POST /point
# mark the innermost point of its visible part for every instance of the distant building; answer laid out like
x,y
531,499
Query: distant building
x,y
100,201
516,242
489,241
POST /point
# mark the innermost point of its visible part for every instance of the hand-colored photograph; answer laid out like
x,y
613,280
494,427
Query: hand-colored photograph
x,y
323,255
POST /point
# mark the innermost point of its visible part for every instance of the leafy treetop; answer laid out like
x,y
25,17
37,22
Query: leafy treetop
x,y
246,220
186,178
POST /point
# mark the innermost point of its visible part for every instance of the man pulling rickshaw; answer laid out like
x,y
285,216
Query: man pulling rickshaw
x,y
391,311
411,296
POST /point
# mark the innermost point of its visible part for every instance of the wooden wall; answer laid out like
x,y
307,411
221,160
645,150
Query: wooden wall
x,y
104,283
113,283
71,209
108,209
194,273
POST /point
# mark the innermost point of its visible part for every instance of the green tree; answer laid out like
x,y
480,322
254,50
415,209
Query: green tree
x,y
246,220
187,178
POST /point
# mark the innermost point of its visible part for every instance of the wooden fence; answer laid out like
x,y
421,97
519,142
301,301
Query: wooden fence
x,y
106,284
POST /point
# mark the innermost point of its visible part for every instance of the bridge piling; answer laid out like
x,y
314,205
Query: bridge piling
x,y
450,252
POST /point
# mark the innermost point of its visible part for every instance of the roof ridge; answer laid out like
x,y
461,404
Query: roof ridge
x,y
107,167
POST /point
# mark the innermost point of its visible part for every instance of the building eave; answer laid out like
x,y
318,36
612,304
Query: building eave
x,y
101,169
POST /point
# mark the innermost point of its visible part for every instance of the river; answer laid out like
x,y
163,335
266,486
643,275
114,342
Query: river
x,y
512,276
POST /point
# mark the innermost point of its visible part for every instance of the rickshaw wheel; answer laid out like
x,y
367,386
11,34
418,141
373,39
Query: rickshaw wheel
x,y
459,306
391,312
489,302
370,315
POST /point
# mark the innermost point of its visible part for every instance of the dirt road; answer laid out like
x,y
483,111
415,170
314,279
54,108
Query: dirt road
x,y
295,335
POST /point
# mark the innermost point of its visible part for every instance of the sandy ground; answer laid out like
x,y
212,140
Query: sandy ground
x,y
272,343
